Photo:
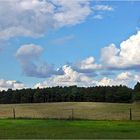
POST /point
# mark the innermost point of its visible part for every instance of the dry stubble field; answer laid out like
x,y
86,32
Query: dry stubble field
x,y
77,110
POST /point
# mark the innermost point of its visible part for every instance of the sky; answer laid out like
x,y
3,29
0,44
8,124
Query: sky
x,y
46,43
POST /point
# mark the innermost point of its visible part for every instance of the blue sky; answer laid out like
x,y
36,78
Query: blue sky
x,y
62,42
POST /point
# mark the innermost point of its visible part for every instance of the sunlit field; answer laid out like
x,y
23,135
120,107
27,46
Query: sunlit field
x,y
72,110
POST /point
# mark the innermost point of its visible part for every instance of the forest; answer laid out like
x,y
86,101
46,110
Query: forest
x,y
114,94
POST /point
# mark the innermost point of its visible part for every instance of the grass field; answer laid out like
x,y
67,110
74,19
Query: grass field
x,y
66,129
81,110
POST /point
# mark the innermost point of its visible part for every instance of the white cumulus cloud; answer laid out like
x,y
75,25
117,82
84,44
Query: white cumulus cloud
x,y
10,84
28,56
70,77
125,57
124,78
34,18
87,65
103,8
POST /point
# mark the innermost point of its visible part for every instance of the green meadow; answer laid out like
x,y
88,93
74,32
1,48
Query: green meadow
x,y
67,129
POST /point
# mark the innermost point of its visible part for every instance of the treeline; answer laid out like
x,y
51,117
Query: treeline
x,y
114,94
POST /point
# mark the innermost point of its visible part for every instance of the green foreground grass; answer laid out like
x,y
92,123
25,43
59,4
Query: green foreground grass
x,y
66,129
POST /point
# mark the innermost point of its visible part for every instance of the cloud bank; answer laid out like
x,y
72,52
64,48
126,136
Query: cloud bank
x,y
88,72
